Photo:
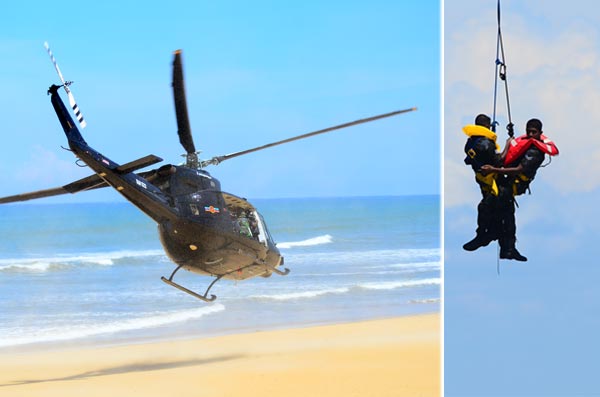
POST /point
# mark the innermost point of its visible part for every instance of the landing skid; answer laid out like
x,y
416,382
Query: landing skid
x,y
281,273
204,297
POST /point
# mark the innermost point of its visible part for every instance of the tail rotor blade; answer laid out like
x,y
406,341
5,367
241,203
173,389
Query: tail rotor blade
x,y
183,122
76,110
55,64
66,85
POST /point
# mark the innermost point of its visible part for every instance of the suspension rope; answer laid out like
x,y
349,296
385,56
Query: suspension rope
x,y
500,72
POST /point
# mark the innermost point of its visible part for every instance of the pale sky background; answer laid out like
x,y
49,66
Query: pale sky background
x,y
532,330
256,72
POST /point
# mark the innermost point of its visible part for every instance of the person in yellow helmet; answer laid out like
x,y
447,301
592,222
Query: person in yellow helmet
x,y
482,150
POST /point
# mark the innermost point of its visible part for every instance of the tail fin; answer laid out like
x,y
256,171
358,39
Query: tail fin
x,y
69,126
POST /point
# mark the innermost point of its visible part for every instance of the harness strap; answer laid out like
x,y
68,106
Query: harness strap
x,y
487,183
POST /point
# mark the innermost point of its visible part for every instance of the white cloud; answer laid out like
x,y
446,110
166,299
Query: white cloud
x,y
45,169
460,185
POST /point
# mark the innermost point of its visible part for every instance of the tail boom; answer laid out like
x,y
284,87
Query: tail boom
x,y
139,191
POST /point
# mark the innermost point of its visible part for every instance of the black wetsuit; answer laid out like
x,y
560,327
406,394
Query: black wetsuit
x,y
481,151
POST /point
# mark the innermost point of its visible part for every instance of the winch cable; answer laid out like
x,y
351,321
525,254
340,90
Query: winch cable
x,y
500,72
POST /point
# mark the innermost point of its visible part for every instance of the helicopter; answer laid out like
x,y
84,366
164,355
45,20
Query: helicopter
x,y
202,228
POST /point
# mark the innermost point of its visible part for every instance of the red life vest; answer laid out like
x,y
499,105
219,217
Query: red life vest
x,y
519,146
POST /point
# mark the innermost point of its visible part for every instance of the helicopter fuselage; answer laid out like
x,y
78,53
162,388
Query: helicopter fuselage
x,y
202,229
215,233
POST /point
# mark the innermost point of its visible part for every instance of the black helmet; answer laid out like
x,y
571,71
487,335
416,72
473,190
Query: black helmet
x,y
483,120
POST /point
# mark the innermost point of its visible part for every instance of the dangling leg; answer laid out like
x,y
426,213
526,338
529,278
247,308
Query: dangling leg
x,y
508,236
486,230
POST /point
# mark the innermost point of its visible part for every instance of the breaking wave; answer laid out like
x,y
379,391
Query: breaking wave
x,y
60,262
425,301
58,333
385,285
303,294
326,239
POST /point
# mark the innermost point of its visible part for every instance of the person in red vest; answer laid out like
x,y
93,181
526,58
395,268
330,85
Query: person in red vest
x,y
523,158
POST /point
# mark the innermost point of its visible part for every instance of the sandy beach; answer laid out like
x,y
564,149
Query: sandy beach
x,y
390,357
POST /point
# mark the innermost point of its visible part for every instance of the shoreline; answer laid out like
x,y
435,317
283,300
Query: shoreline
x,y
184,332
384,357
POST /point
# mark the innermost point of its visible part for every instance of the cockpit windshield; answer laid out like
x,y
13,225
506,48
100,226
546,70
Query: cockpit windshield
x,y
246,219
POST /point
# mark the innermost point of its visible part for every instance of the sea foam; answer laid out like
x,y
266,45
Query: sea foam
x,y
326,239
425,301
387,285
57,333
384,285
303,294
61,262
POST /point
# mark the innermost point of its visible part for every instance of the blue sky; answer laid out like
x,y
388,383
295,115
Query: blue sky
x,y
532,330
255,72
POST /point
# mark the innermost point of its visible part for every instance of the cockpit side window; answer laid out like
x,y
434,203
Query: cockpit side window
x,y
195,210
243,222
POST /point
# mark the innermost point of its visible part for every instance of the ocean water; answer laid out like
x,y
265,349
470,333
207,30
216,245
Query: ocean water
x,y
90,273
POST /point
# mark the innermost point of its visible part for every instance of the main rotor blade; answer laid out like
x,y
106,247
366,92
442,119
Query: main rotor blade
x,y
218,159
183,122
89,183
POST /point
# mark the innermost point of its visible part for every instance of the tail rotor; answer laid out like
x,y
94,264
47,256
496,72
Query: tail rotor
x,y
65,85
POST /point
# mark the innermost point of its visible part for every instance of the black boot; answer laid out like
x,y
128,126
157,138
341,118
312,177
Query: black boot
x,y
512,253
481,240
